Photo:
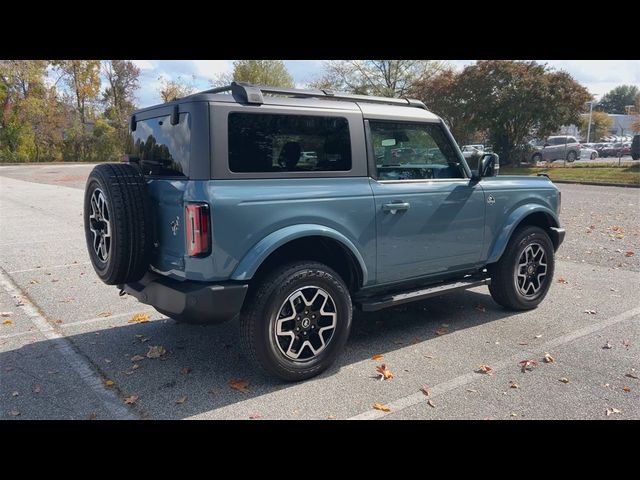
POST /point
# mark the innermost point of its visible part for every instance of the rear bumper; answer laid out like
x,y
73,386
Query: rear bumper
x,y
196,301
557,236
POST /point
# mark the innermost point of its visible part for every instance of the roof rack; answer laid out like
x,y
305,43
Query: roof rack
x,y
249,93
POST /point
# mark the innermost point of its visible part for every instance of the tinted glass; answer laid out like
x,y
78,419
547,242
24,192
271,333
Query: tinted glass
x,y
163,149
406,151
261,143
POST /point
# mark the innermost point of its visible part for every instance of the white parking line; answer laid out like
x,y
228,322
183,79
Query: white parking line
x,y
19,334
87,374
50,267
444,387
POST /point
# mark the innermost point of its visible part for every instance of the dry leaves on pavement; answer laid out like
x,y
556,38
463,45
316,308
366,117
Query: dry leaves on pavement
x,y
156,351
513,384
239,385
384,372
480,308
377,357
607,346
442,331
425,390
527,365
108,383
105,313
7,322
255,416
131,400
629,254
181,400
14,413
185,371
562,280
590,312
632,375
140,318
382,407
431,404
563,380
486,369
548,358
611,411
6,314
331,417
137,358
626,389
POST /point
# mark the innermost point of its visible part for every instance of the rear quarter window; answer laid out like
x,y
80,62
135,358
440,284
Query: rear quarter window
x,y
163,149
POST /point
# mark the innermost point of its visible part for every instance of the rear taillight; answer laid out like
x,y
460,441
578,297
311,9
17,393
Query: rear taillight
x,y
198,227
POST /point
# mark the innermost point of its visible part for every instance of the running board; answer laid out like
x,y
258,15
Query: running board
x,y
378,303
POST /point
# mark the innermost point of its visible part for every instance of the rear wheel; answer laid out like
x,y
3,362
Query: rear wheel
x,y
571,156
296,320
521,278
594,155
536,158
117,223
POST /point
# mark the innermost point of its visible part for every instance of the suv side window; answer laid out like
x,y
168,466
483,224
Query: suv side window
x,y
163,149
265,142
413,151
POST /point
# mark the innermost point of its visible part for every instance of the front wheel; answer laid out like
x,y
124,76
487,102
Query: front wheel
x,y
521,278
594,155
296,320
571,156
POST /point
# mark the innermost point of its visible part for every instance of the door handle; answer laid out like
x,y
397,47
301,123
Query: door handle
x,y
394,207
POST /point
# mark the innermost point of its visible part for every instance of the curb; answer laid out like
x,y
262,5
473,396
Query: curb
x,y
598,184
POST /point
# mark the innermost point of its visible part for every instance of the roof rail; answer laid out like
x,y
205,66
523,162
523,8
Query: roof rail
x,y
252,94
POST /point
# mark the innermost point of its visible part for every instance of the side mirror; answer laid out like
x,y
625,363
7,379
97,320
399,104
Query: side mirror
x,y
488,166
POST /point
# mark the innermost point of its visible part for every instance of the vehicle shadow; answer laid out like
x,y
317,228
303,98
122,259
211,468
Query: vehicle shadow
x,y
200,361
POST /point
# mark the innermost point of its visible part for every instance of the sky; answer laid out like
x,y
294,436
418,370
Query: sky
x,y
598,76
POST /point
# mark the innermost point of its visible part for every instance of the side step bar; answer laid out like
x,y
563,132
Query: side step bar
x,y
378,303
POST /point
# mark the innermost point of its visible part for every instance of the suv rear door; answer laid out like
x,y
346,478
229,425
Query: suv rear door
x,y
429,216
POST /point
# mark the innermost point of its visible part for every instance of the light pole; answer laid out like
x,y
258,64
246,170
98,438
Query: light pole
x,y
590,112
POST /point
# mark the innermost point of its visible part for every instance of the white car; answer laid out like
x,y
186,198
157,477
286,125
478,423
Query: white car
x,y
588,153
472,150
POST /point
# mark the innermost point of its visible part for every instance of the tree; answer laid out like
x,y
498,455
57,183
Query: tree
x,y
635,126
600,124
263,72
173,89
119,98
386,78
83,80
513,99
617,99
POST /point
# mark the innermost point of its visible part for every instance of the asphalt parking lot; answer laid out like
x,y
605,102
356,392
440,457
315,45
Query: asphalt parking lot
x,y
69,350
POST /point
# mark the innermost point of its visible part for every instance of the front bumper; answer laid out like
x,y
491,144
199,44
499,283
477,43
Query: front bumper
x,y
194,301
557,236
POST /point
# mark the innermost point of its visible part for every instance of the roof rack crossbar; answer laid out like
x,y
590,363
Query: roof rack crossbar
x,y
253,94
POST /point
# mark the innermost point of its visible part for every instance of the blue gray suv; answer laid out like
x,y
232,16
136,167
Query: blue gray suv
x,y
289,208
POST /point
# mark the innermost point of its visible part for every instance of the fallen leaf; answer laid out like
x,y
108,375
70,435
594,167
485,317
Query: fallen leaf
x,y
485,369
34,282
611,411
626,343
140,318
92,416
255,416
37,389
538,336
14,394
429,356
548,358
513,384
54,280
137,358
523,343
382,407
398,342
626,389
331,417
377,357
442,331
590,312
480,307
109,383
613,289
629,254
514,414
106,360
431,404
106,313
425,390
185,371
7,322
471,390
385,373
14,413
156,352
131,399
620,236
631,375
563,380
181,400
527,365
19,302
135,366
607,346
239,385
562,280
6,314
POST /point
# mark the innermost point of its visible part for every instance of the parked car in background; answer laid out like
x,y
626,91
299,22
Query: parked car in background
x,y
588,153
625,149
472,150
608,150
635,147
561,147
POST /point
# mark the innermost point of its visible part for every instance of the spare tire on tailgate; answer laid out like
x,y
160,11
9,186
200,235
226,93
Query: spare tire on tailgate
x,y
118,223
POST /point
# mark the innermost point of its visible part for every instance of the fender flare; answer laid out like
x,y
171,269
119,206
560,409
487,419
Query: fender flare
x,y
515,218
269,244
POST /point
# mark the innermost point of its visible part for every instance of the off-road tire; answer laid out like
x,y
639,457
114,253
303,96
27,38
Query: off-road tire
x,y
264,300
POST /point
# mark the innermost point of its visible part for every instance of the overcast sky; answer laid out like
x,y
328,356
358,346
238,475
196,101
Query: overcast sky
x,y
599,76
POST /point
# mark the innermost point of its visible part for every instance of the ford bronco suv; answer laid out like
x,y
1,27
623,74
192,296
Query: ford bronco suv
x,y
289,208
